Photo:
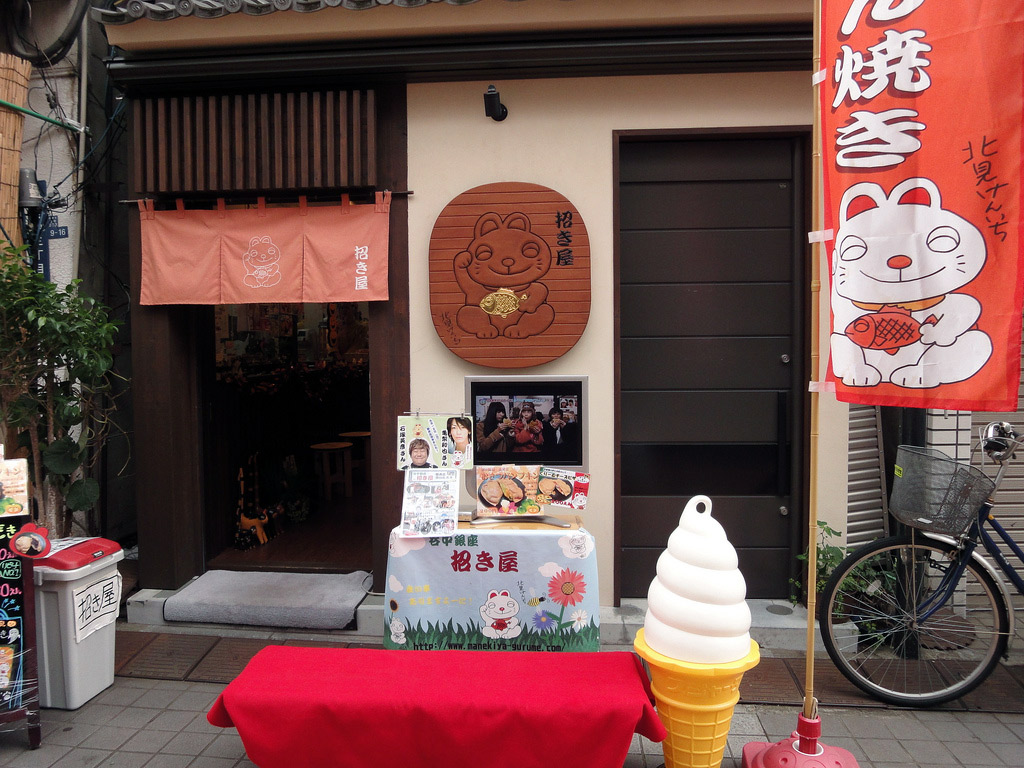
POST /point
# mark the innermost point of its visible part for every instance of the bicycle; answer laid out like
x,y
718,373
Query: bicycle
x,y
921,618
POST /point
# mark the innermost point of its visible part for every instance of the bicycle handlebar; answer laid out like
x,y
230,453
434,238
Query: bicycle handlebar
x,y
1000,440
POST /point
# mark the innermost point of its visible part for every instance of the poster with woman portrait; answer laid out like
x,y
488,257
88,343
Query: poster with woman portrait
x,y
435,441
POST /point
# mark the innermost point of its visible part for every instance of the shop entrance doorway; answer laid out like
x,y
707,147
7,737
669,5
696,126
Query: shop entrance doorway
x,y
712,244
280,379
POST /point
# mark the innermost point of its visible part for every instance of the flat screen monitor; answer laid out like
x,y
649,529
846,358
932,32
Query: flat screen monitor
x,y
559,403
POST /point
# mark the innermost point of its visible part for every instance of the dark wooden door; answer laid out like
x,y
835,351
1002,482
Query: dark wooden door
x,y
711,348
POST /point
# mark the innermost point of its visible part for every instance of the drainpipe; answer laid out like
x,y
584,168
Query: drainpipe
x,y
83,104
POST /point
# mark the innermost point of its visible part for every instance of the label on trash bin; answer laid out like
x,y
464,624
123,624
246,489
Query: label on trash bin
x,y
96,605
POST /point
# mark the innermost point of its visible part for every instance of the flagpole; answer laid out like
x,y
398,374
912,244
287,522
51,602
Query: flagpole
x,y
804,749
810,703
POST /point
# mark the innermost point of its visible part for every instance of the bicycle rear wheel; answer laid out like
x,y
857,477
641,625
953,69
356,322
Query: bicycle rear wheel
x,y
877,630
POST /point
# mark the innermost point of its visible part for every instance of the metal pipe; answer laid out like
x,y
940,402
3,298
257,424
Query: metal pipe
x,y
69,125
83,106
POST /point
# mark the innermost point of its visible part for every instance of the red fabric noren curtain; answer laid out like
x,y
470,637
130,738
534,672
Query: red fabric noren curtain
x,y
309,253
921,106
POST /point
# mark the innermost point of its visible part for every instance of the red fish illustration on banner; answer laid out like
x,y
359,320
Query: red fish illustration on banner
x,y
888,331
921,114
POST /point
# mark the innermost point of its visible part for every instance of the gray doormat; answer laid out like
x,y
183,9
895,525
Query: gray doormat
x,y
269,599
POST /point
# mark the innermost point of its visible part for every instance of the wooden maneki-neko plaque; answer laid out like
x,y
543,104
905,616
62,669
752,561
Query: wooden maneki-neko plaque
x,y
509,275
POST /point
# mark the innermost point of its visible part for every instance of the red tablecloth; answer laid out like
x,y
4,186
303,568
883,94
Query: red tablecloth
x,y
323,707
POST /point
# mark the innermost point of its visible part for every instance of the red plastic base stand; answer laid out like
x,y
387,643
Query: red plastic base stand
x,y
801,750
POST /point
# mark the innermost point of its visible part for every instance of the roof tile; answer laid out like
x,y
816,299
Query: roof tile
x,y
126,11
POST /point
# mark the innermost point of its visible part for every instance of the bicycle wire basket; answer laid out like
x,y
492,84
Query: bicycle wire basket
x,y
934,493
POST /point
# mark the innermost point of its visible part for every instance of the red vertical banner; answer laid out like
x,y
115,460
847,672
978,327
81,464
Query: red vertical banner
x,y
921,107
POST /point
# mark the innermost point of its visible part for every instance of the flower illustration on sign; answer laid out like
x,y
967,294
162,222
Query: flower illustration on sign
x,y
579,619
544,621
567,587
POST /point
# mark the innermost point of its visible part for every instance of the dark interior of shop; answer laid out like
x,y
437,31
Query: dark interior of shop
x,y
282,379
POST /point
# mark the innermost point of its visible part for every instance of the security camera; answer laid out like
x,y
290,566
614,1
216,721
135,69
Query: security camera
x,y
493,107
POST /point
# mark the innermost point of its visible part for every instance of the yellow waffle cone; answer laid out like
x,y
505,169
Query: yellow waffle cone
x,y
695,702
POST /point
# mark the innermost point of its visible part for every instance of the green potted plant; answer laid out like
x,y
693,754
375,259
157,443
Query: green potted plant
x,y
828,556
56,354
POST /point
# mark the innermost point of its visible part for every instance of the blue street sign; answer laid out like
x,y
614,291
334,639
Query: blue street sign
x,y
49,230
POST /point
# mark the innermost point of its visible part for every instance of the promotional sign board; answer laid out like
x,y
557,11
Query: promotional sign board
x,y
921,106
12,616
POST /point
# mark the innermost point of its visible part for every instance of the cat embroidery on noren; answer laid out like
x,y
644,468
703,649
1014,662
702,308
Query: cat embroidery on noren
x,y
898,262
499,273
261,269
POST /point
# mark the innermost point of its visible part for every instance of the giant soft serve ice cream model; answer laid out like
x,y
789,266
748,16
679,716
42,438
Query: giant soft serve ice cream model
x,y
696,638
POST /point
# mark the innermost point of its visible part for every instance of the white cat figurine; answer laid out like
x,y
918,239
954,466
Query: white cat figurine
x,y
499,616
894,269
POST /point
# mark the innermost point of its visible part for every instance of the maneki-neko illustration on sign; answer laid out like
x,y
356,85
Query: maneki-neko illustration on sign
x,y
510,275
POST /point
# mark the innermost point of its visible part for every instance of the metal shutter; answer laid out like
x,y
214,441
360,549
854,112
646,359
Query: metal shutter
x,y
867,508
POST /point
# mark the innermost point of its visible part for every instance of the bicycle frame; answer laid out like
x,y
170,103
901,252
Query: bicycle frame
x,y
992,548
968,544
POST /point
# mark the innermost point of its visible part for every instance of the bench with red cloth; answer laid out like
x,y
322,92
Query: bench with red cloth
x,y
357,707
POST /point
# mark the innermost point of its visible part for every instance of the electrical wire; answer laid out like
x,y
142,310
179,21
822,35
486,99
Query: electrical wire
x,y
110,122
19,25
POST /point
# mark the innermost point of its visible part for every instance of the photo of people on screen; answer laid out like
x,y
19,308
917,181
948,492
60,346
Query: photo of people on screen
x,y
560,435
528,430
544,427
494,432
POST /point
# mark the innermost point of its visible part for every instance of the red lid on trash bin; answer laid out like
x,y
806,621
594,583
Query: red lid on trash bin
x,y
70,554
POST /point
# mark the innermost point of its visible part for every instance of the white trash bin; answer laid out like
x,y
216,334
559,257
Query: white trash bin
x,y
78,596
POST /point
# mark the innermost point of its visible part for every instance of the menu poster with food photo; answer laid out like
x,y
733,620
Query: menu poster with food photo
x,y
507,490
430,503
14,487
563,488
435,441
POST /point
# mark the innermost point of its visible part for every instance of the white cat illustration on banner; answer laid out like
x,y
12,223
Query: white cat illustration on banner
x,y
261,269
897,261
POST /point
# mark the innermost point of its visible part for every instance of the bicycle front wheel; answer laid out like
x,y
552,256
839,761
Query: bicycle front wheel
x,y
894,630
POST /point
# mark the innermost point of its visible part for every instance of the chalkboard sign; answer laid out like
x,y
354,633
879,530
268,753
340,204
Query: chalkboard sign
x,y
12,616
19,681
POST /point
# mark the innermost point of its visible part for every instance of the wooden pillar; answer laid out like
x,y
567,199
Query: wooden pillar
x,y
168,453
389,332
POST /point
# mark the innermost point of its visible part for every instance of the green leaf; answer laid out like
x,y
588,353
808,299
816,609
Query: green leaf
x,y
82,494
62,456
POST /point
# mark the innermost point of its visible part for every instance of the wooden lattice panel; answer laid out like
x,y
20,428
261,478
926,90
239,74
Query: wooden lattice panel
x,y
509,275
254,142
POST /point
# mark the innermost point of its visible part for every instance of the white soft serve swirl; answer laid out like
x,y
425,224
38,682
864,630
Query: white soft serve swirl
x,y
696,606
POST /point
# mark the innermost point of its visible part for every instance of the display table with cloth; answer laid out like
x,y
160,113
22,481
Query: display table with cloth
x,y
355,707
509,586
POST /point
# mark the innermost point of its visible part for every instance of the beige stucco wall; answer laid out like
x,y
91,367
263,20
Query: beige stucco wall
x,y
559,134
